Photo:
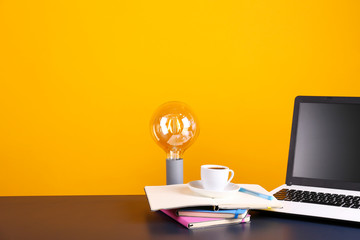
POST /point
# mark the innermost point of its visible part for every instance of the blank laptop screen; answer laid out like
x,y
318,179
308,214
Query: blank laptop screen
x,y
328,142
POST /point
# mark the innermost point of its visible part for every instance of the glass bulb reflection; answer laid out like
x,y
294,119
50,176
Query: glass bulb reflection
x,y
174,128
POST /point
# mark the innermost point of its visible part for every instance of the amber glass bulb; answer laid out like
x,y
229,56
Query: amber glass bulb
x,y
174,128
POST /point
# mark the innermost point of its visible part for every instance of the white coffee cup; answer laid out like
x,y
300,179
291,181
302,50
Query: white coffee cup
x,y
215,177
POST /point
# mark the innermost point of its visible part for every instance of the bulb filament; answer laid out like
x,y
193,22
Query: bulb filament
x,y
174,126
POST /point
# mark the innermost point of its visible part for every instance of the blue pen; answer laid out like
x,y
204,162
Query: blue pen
x,y
256,194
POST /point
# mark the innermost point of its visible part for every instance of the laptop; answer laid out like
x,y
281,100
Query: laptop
x,y
323,172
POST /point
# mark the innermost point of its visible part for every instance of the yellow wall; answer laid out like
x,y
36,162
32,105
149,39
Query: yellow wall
x,y
80,79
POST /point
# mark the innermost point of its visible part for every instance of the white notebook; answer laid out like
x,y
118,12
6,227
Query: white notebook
x,y
180,196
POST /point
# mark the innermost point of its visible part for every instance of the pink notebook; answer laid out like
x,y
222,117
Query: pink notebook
x,y
196,222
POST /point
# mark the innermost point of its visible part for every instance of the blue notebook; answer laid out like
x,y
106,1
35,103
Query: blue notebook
x,y
210,213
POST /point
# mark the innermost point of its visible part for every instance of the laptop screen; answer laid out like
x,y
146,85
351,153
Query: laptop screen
x,y
325,144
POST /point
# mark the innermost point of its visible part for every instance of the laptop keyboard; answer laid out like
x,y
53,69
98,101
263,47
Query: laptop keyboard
x,y
339,200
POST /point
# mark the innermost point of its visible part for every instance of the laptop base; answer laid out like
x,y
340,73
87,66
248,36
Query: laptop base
x,y
318,210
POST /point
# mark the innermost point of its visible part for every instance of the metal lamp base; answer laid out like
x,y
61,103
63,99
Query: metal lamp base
x,y
174,171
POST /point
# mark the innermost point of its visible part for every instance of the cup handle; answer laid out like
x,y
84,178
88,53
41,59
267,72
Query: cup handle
x,y
231,177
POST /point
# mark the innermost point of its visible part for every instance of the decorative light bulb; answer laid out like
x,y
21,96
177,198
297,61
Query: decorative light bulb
x,y
174,129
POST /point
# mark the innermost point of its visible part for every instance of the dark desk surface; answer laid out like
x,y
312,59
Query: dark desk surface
x,y
129,217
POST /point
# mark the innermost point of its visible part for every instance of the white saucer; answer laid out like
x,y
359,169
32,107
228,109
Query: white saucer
x,y
197,187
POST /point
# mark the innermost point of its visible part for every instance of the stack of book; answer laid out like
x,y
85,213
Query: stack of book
x,y
195,211
193,218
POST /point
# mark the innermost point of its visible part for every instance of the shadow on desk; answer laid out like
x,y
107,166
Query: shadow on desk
x,y
309,219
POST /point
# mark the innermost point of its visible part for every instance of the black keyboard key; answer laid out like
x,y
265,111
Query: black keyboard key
x,y
349,198
280,197
337,204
